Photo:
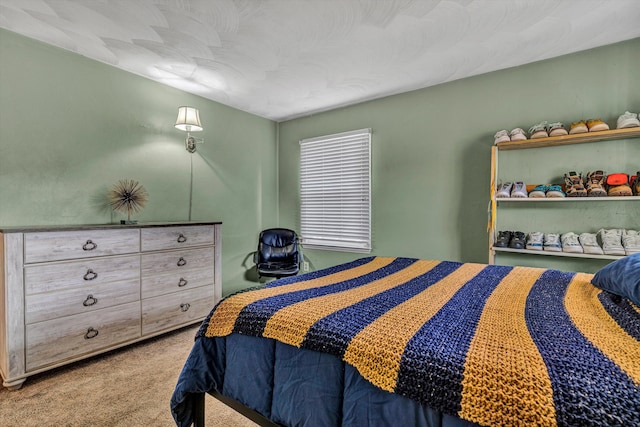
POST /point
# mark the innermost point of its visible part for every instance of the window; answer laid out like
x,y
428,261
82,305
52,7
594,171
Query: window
x,y
335,191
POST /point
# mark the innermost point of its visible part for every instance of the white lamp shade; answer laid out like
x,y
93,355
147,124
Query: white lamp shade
x,y
188,119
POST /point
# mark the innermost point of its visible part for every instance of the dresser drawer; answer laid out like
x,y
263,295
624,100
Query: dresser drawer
x,y
79,274
176,261
56,340
61,245
41,307
154,239
180,308
175,281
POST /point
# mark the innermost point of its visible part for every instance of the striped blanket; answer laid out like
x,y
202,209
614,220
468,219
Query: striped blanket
x,y
495,345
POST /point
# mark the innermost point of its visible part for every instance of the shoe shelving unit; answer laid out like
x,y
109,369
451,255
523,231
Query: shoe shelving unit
x,y
617,150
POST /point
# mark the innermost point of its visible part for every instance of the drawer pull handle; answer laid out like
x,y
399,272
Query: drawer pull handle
x,y
182,262
90,275
91,333
184,307
90,301
182,238
89,246
182,282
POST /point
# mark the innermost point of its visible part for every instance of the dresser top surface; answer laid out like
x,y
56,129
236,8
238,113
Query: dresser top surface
x,y
44,228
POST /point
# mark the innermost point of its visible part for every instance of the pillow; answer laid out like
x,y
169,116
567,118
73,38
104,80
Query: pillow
x,y
621,277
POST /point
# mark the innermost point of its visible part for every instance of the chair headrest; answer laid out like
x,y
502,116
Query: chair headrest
x,y
278,237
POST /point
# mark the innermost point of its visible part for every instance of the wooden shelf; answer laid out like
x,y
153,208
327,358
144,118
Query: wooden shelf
x,y
579,138
608,135
567,199
560,254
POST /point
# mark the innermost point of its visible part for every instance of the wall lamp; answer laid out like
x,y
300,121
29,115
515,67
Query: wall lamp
x,y
189,121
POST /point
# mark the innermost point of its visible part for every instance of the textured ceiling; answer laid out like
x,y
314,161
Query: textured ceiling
x,y
282,59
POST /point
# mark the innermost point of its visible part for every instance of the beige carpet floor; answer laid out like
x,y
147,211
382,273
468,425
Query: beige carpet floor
x,y
126,387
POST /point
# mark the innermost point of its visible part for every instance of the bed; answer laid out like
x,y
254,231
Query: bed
x,y
402,341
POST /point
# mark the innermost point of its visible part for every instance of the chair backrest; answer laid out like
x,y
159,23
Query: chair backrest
x,y
278,245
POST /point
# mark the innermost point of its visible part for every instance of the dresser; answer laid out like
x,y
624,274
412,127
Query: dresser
x,y
68,293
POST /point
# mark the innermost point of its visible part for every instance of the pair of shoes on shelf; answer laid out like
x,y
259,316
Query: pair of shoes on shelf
x,y
620,184
537,241
618,241
591,125
510,239
628,120
595,184
545,129
516,134
549,190
574,185
512,189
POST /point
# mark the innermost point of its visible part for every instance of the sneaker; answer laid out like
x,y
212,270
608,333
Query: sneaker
x,y
570,243
519,190
517,240
618,185
556,129
634,183
538,131
517,134
595,184
611,241
628,120
590,244
574,185
504,190
551,242
555,191
501,136
539,191
597,125
578,127
503,239
631,241
534,241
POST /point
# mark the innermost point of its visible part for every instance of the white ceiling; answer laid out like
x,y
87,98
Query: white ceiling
x,y
282,59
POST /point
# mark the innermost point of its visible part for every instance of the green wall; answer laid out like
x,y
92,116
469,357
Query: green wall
x,y
71,127
431,152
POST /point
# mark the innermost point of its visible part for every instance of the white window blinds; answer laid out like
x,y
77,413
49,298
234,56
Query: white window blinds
x,y
335,191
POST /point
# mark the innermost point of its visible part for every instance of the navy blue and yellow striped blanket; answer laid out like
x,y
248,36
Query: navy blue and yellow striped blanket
x,y
495,345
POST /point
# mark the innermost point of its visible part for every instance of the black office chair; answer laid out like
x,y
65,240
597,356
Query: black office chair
x,y
279,253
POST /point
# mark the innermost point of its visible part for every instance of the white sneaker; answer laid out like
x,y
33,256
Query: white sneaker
x,y
517,134
519,190
552,242
570,243
556,129
590,244
631,241
501,136
611,241
628,120
538,131
534,241
504,190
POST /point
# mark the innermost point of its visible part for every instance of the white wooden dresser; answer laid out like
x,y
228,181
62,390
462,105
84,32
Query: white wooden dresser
x,y
68,293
